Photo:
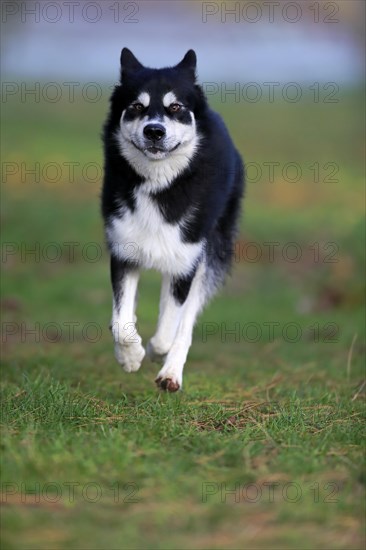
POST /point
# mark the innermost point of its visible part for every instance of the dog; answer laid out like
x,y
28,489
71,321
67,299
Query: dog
x,y
171,201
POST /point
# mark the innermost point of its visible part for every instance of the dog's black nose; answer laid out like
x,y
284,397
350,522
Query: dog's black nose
x,y
154,132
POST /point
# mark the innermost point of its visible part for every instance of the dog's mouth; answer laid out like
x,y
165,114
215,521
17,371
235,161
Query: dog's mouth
x,y
155,150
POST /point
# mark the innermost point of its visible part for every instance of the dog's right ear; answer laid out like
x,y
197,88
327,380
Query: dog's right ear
x,y
129,63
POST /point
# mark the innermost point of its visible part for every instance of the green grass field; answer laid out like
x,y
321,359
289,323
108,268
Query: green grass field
x,y
264,447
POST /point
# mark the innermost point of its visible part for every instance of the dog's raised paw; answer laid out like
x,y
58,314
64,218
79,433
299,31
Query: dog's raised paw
x,y
167,384
129,357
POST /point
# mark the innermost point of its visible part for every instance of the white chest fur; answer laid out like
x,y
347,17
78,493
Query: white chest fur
x,y
144,236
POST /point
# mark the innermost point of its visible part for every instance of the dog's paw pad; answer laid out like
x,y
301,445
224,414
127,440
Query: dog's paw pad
x,y
167,384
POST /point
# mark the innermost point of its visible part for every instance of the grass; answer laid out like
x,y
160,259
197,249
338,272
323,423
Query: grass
x,y
264,447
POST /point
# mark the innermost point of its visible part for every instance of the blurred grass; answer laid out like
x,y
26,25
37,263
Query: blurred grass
x,y
257,412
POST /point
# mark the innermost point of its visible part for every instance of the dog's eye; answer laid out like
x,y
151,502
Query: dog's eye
x,y
174,107
137,106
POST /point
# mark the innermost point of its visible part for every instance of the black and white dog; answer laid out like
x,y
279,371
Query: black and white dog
x,y
171,201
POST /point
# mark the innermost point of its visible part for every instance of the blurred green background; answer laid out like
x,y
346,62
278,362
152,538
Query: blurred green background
x,y
274,384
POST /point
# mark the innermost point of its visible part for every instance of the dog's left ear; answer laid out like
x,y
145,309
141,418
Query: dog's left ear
x,y
189,62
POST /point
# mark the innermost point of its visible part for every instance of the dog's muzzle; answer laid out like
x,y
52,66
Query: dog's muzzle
x,y
155,145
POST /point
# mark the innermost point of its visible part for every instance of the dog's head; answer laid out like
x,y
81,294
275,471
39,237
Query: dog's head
x,y
157,111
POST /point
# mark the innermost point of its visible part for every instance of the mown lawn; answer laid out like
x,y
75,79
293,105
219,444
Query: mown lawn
x,y
264,447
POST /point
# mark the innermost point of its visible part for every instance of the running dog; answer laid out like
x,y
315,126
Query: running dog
x,y
171,202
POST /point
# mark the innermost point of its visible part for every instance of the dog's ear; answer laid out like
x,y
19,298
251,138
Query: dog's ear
x,y
129,63
189,62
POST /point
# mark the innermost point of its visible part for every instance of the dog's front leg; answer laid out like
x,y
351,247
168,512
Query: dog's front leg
x,y
188,296
128,348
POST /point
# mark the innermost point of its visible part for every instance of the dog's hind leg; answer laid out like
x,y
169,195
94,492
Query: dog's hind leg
x,y
169,316
189,296
128,349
